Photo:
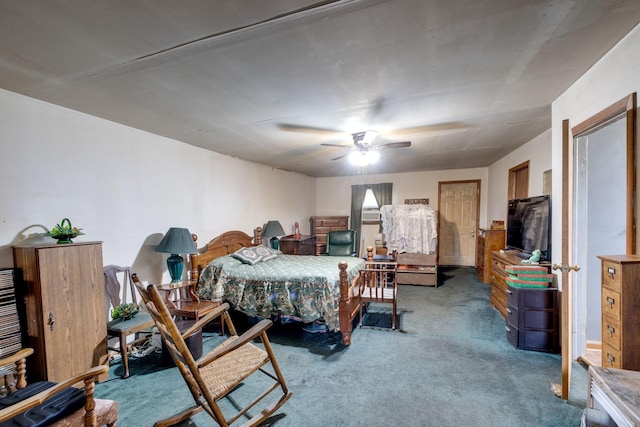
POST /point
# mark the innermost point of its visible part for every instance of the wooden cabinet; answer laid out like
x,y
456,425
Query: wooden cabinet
x,y
620,311
533,319
486,242
64,309
305,245
321,225
417,269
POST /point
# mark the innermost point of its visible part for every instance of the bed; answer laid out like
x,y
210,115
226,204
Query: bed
x,y
304,287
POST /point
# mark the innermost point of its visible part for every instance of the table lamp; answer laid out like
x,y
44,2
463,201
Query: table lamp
x,y
177,241
271,230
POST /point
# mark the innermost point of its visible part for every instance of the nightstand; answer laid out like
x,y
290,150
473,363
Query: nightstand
x,y
305,245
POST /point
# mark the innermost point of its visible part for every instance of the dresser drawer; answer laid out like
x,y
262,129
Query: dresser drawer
x,y
611,275
512,314
499,298
408,258
611,304
611,332
611,358
512,334
331,223
415,278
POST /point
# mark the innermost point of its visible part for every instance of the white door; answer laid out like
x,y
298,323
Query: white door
x,y
457,222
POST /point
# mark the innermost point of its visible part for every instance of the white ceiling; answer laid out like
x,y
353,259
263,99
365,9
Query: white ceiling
x,y
467,81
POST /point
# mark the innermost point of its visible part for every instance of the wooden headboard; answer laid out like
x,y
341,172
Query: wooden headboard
x,y
225,244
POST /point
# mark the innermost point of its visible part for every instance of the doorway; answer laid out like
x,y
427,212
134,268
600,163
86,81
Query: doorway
x,y
457,222
575,243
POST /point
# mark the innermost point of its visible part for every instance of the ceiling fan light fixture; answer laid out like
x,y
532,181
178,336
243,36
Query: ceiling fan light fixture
x,y
362,158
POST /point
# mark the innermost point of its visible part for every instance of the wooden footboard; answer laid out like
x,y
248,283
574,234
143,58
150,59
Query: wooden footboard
x,y
349,303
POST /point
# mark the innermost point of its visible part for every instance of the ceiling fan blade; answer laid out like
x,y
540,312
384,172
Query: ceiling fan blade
x,y
327,144
394,145
309,129
339,157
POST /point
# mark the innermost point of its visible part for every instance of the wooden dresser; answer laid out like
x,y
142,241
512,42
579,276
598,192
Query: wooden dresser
x,y
417,269
305,245
486,242
620,311
499,260
321,225
63,289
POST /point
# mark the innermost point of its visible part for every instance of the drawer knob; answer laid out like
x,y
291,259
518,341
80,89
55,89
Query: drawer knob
x,y
610,359
611,330
611,301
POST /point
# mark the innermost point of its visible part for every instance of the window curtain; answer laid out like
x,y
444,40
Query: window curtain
x,y
382,193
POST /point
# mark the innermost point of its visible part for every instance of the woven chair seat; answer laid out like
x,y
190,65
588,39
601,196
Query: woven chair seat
x,y
224,374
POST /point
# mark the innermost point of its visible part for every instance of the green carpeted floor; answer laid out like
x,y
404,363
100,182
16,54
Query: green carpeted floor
x,y
448,365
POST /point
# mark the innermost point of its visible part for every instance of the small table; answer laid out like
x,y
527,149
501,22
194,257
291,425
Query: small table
x,y
305,245
191,306
169,288
617,391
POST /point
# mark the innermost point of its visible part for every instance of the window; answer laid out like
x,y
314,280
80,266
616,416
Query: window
x,y
370,208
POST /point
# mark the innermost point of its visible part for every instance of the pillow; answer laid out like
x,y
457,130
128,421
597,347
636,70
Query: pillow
x,y
254,254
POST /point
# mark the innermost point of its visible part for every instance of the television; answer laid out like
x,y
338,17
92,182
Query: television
x,y
529,226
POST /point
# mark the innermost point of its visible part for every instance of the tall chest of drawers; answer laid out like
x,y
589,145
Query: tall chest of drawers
x,y
620,311
321,225
486,242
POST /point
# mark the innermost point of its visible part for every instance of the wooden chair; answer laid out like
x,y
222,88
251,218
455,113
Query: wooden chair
x,y
378,285
218,373
94,412
141,323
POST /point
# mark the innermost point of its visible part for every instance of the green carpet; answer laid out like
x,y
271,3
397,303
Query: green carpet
x,y
449,364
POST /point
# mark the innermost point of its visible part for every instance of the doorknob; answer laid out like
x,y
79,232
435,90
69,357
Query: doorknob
x,y
565,268
473,234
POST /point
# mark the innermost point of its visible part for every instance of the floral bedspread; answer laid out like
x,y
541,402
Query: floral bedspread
x,y
304,287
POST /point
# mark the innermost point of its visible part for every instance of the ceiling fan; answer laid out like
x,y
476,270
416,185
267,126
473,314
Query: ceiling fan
x,y
363,147
363,151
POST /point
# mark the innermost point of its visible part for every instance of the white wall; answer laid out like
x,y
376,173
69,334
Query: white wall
x,y
614,77
538,153
333,195
126,187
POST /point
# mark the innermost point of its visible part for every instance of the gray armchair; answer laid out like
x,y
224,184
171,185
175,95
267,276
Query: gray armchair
x,y
341,243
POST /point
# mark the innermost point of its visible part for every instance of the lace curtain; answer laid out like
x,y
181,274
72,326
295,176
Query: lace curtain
x,y
409,228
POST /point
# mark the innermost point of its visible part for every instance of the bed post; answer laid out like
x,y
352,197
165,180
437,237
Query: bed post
x,y
193,260
369,253
257,236
344,305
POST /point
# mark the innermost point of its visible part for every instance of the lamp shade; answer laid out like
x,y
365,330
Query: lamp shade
x,y
272,229
177,241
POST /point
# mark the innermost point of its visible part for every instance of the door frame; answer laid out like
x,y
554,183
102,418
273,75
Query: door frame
x,y
477,219
569,321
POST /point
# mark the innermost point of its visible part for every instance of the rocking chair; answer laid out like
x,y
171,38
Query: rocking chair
x,y
218,373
